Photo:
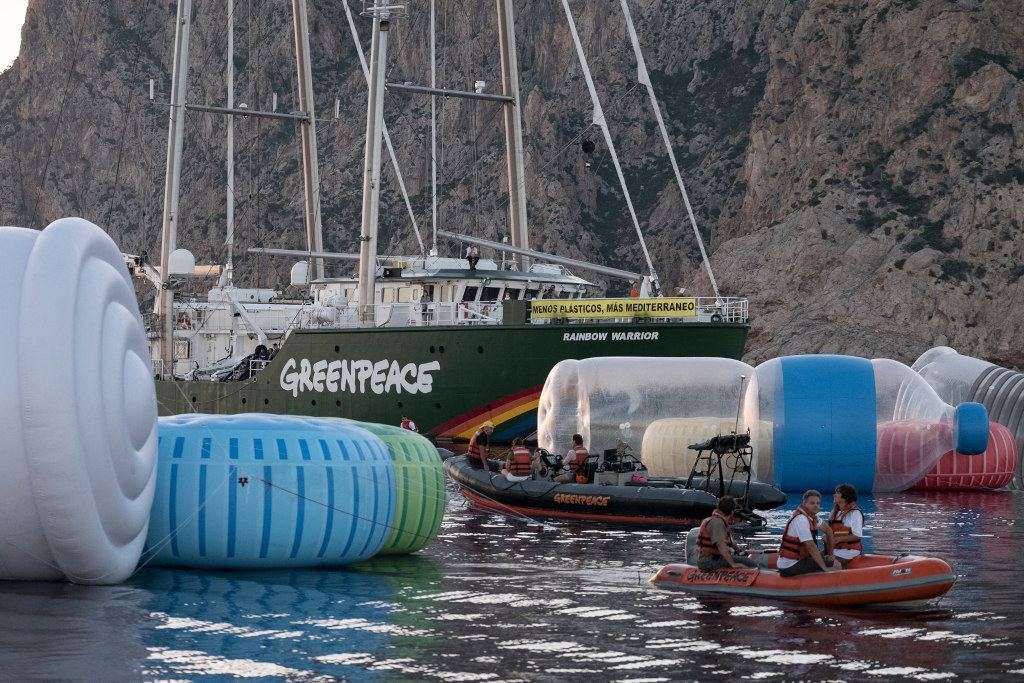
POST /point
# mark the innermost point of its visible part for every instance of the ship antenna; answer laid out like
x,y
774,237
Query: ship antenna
x,y
739,403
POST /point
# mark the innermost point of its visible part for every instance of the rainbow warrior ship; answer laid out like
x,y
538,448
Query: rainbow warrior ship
x,y
442,341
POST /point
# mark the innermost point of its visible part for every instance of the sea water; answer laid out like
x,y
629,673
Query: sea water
x,y
497,599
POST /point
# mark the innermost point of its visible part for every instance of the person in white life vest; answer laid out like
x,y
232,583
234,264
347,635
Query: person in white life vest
x,y
716,549
409,424
845,527
571,461
799,553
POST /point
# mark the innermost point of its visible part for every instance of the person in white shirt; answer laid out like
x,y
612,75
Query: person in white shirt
x,y
799,553
845,527
472,255
573,459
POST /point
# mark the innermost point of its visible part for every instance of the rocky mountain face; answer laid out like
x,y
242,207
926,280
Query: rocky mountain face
x,y
855,168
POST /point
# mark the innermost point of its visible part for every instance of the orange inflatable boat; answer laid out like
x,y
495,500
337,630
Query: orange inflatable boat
x,y
903,580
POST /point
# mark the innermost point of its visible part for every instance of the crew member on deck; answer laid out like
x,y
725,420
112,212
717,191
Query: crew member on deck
x,y
714,542
425,302
517,466
845,527
409,424
480,449
573,459
799,553
472,255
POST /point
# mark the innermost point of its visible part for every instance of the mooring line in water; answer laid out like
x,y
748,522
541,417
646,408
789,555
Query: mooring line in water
x,y
215,438
236,475
162,543
56,567
392,527
508,511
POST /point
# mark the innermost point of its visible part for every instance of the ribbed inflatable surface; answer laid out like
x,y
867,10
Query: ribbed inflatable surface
x,y
420,487
959,378
992,469
263,491
77,408
666,445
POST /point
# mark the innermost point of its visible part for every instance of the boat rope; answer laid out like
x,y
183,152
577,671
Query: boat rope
x,y
500,508
124,129
390,527
153,550
387,136
75,578
602,122
241,478
645,78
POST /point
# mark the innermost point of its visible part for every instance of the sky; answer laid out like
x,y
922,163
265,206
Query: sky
x,y
12,16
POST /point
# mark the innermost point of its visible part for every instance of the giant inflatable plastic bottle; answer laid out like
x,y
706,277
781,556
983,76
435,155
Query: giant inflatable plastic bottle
x,y
815,421
958,378
77,408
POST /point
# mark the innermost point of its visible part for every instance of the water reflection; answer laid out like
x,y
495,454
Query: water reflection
x,y
493,599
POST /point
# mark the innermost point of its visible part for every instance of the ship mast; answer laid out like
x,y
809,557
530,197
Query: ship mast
x,y
381,13
310,169
513,128
175,138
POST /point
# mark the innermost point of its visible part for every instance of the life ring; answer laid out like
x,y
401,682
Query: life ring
x,y
463,312
716,317
184,322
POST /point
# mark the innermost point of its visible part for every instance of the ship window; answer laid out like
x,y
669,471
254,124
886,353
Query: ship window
x,y
445,293
517,293
388,295
531,291
491,294
470,294
405,294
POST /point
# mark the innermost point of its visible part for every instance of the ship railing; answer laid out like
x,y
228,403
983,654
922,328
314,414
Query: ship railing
x,y
443,313
455,313
705,309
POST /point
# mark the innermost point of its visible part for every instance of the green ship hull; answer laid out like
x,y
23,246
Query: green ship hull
x,y
447,379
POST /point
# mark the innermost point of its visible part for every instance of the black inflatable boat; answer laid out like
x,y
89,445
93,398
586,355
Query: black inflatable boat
x,y
617,492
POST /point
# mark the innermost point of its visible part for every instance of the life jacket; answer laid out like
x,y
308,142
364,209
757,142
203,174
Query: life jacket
x,y
581,456
520,462
474,447
791,546
409,424
704,543
839,530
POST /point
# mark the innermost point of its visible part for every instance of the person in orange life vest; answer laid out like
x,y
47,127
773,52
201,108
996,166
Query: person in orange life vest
x,y
409,424
573,458
799,552
716,549
634,292
517,466
480,449
845,527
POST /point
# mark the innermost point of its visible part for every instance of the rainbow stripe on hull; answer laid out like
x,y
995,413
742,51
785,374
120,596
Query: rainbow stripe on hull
x,y
513,415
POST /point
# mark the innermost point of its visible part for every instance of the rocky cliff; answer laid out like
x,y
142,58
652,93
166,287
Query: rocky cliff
x,y
855,167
